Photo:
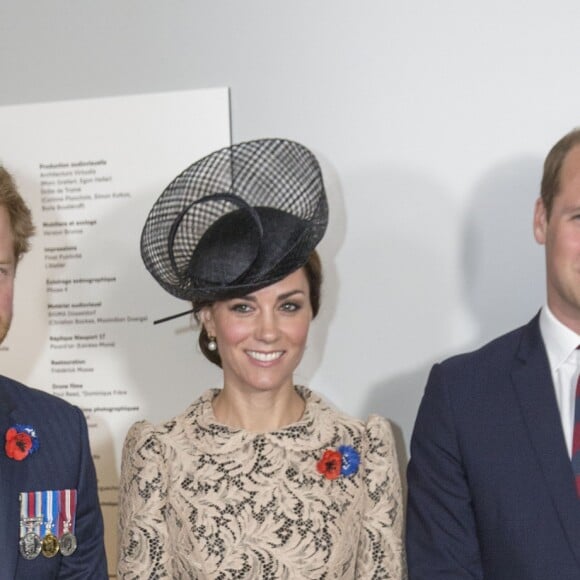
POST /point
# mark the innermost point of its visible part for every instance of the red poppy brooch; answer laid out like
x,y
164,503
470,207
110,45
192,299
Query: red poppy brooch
x,y
344,461
21,441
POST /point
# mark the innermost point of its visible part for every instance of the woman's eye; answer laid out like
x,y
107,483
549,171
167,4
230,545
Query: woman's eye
x,y
243,308
291,306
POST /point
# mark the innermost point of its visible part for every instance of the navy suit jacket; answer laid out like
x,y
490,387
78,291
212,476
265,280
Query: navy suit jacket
x,y
62,461
491,488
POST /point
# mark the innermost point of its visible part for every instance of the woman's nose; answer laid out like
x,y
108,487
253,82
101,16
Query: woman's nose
x,y
267,327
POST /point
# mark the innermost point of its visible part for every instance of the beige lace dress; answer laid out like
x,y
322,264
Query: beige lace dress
x,y
202,500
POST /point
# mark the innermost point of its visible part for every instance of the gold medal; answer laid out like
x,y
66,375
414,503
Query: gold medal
x,y
49,546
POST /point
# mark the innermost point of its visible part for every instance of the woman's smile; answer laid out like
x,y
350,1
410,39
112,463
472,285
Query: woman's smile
x,y
265,357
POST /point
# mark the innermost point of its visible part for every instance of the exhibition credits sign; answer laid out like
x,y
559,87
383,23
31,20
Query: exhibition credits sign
x,y
90,171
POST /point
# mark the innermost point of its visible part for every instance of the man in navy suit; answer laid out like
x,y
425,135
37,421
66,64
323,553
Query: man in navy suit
x,y
492,491
50,520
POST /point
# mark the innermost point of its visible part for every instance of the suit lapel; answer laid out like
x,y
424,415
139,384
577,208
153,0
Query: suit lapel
x,y
535,391
9,507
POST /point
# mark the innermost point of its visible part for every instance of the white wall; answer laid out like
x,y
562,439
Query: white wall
x,y
431,120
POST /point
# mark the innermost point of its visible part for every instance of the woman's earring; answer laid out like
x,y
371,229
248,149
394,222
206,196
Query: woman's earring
x,y
211,344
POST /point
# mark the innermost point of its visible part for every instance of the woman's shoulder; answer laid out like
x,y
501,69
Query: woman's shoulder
x,y
317,400
372,423
146,432
379,427
376,432
375,427
143,436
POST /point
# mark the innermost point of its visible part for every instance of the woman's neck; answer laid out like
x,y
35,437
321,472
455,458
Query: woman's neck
x,y
260,411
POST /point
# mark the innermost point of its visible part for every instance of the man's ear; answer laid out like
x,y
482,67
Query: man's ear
x,y
540,221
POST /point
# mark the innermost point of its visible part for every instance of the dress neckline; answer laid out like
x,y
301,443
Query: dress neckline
x,y
214,437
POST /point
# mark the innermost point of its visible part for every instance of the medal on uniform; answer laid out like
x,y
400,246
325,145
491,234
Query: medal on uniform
x,y
51,509
49,545
30,546
67,513
30,543
41,512
68,544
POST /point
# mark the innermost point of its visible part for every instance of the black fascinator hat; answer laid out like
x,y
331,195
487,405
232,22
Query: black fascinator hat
x,y
236,221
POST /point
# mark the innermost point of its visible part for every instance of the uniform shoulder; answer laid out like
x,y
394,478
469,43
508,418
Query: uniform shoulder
x,y
19,395
495,352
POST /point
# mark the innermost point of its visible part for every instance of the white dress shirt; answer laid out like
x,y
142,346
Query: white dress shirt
x,y
564,358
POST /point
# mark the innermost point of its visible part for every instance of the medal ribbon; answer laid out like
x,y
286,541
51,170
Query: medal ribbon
x,y
67,512
61,516
23,513
39,512
32,511
71,509
52,509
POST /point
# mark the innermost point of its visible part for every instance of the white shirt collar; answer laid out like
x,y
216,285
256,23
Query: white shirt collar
x,y
560,341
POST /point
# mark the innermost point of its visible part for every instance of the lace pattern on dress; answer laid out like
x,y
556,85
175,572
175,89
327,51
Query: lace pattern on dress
x,y
202,500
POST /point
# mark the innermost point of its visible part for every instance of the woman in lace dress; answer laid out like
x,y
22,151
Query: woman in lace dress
x,y
259,479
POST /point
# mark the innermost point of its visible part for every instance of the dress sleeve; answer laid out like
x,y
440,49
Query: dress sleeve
x,y
142,504
381,552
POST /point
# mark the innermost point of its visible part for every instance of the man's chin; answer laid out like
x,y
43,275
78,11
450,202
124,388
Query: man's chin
x,y
4,328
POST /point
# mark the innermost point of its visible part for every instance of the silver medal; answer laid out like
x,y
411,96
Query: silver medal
x,y
68,544
30,545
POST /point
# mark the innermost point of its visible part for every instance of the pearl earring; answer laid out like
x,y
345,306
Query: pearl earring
x,y
212,344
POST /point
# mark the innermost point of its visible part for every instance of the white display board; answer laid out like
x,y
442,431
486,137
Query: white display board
x,y
90,171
